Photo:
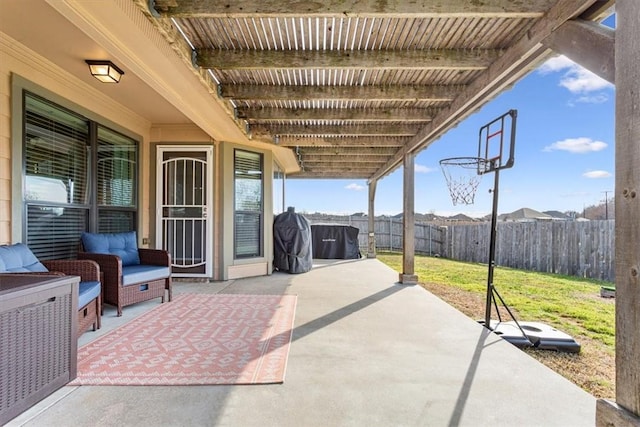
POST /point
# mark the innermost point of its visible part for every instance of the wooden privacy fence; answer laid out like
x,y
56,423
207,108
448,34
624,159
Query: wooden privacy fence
x,y
584,249
574,248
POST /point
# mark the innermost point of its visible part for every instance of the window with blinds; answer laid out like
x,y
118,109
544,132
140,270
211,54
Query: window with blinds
x,y
116,181
59,148
278,189
248,190
56,197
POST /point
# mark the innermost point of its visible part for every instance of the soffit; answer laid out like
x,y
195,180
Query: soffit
x,y
39,27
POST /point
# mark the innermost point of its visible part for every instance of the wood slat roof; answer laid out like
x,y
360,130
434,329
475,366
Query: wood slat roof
x,y
352,86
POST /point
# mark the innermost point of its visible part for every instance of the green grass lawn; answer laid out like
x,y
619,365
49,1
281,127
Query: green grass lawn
x,y
570,304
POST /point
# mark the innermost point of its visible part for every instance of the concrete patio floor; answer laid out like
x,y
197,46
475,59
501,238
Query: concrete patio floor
x,y
366,351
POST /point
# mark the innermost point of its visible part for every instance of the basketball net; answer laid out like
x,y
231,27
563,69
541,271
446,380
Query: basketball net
x,y
462,177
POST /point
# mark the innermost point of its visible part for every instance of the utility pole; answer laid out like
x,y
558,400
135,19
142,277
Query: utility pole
x,y
606,204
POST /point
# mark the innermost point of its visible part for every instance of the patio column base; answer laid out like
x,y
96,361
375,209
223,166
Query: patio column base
x,y
408,279
611,414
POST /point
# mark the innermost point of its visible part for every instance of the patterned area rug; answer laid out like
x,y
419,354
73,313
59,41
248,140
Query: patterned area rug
x,y
196,339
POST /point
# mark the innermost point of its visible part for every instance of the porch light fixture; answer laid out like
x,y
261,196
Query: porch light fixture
x,y
105,71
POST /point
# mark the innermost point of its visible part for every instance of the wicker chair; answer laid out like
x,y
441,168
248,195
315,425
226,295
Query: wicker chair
x,y
89,296
18,259
130,274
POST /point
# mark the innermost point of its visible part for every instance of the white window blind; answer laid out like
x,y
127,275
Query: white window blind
x,y
248,184
55,178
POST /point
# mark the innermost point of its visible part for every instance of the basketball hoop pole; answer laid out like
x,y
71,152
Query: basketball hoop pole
x,y
492,250
492,292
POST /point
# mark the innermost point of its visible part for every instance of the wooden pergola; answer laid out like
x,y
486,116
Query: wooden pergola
x,y
356,88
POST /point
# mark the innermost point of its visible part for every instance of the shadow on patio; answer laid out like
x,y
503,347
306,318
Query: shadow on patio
x,y
366,351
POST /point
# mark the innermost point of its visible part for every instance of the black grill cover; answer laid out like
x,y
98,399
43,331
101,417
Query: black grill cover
x,y
335,241
292,243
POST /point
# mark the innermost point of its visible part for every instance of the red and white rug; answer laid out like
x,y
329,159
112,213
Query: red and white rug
x,y
197,339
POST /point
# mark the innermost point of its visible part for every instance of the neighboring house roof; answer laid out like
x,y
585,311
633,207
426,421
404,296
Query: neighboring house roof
x,y
557,215
525,214
461,217
427,217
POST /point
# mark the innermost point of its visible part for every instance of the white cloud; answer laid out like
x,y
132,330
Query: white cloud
x,y
596,174
423,169
576,79
598,98
577,145
580,80
355,187
557,63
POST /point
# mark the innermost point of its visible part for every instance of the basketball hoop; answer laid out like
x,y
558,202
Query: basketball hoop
x,y
463,177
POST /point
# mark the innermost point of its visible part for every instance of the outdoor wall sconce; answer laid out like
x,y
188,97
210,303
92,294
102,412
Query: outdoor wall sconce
x,y
105,71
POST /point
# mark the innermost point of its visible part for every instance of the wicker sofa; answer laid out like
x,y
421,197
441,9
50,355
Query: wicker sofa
x,y
19,259
131,274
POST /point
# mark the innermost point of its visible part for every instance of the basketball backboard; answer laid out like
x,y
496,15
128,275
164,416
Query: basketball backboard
x,y
496,142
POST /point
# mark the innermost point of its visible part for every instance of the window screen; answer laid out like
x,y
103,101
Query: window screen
x,y
248,204
116,181
55,178
278,189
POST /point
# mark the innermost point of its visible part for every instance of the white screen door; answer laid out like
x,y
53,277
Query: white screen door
x,y
184,208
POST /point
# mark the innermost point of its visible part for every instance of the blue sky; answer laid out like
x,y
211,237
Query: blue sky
x,y
564,154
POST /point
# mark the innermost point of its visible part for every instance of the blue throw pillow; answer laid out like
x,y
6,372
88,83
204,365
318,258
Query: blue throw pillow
x,y
18,258
125,245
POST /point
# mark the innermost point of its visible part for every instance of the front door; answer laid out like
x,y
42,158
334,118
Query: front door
x,y
184,208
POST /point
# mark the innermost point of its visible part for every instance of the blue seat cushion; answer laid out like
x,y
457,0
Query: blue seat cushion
x,y
87,292
124,245
143,273
18,258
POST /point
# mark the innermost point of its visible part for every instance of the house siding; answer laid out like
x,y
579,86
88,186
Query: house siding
x,y
5,150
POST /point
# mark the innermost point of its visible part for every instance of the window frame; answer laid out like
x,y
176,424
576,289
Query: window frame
x,y
90,215
259,213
